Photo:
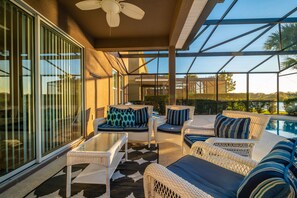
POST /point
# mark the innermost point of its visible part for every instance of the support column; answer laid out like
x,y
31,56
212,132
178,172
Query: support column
x,y
277,94
172,75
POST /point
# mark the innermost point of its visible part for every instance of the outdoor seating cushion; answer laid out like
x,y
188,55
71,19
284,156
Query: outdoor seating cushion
x,y
275,175
190,139
169,128
226,127
137,128
210,178
177,117
107,127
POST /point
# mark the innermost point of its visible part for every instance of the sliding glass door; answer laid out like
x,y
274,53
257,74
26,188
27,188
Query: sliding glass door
x,y
17,134
61,89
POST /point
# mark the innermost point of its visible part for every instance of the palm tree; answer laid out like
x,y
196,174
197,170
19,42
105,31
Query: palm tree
x,y
288,35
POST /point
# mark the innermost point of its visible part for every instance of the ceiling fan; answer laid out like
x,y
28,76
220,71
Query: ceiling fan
x,y
113,9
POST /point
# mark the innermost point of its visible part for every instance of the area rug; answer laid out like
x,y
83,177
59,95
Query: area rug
x,y
126,182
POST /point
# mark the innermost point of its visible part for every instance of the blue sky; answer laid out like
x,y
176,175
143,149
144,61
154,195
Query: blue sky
x,y
243,9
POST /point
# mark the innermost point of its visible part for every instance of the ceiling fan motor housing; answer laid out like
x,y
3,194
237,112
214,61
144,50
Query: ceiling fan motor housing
x,y
111,6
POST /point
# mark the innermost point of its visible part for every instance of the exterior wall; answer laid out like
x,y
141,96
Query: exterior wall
x,y
97,65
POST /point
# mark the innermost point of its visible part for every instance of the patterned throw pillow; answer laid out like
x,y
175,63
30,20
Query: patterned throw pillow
x,y
114,118
226,127
128,119
141,116
109,118
117,118
114,109
177,117
275,175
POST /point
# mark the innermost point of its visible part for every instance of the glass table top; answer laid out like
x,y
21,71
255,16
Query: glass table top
x,y
101,142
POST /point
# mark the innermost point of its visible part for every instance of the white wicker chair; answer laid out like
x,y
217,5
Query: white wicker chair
x,y
133,136
161,182
243,147
162,120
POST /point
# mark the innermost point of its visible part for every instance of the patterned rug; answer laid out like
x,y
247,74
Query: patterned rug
x,y
126,182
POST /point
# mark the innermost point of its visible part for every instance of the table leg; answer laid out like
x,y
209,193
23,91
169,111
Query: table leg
x,y
107,183
68,181
126,150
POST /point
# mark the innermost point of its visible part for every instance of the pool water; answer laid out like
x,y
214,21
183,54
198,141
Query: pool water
x,y
285,128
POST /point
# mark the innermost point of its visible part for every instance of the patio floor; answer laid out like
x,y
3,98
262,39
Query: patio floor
x,y
168,153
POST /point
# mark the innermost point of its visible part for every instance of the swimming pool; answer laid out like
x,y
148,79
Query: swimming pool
x,y
285,128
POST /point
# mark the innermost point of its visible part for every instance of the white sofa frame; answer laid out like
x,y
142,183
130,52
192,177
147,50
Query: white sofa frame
x,y
243,147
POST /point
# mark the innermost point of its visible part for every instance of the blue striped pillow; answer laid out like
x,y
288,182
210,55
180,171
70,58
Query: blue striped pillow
x,y
141,116
226,127
275,175
177,117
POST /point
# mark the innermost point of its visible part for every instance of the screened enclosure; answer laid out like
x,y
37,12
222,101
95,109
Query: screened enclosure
x,y
242,58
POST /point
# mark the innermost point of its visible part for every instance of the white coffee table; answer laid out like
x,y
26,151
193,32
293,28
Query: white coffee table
x,y
102,154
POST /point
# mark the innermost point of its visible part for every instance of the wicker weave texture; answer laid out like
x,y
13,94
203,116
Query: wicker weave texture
x,y
161,182
242,147
223,158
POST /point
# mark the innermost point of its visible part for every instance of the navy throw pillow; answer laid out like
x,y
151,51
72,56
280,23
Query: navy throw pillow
x,y
177,117
141,116
226,127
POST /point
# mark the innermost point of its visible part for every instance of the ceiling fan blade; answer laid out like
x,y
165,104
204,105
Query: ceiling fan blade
x,y
113,19
89,5
132,11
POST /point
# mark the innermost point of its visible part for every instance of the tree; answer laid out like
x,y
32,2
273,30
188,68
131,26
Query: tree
x,y
288,35
230,83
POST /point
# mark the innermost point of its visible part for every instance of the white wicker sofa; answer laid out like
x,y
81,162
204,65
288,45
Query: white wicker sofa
x,y
243,147
143,133
210,171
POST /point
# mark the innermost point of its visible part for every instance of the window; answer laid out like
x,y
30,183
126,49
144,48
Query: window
x,y
115,86
60,92
17,133
121,89
61,89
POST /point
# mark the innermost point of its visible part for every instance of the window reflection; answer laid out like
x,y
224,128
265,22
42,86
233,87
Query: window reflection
x,y
61,88
17,134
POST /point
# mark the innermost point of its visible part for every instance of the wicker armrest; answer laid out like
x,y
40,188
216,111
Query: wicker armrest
x,y
96,123
242,147
230,140
158,181
151,121
158,122
223,158
198,130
